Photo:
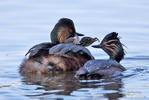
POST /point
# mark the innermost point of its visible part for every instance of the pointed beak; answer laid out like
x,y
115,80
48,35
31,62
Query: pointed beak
x,y
79,34
95,39
97,46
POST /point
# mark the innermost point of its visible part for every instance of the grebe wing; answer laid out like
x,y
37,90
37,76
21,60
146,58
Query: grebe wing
x,y
39,49
94,65
101,68
67,49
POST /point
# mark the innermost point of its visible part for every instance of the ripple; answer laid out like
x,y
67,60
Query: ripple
x,y
137,58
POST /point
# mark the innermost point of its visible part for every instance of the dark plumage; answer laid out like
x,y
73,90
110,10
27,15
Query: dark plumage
x,y
62,31
41,49
112,46
69,56
61,57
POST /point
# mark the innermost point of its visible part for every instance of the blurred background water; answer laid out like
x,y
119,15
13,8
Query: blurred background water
x,y
24,23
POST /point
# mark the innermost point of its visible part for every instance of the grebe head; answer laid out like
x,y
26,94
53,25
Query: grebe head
x,y
112,46
63,30
87,41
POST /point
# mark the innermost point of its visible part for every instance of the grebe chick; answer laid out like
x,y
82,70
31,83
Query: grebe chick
x,y
87,41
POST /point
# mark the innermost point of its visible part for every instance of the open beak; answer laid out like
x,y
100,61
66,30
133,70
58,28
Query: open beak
x,y
97,46
79,34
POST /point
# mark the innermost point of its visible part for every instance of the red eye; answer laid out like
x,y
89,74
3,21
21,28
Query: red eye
x,y
103,44
70,30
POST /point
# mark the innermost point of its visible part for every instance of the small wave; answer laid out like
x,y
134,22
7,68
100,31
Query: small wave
x,y
139,70
137,58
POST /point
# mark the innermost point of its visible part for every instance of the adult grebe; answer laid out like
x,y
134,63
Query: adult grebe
x,y
60,54
111,67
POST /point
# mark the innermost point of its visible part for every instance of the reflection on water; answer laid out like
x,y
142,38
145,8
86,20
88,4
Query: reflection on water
x,y
66,84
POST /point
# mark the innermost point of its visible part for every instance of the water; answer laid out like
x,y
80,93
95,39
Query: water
x,y
24,23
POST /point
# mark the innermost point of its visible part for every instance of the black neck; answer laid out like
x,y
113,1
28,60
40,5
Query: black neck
x,y
113,47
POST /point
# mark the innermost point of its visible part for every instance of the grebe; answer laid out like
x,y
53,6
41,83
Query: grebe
x,y
113,47
63,31
60,54
87,41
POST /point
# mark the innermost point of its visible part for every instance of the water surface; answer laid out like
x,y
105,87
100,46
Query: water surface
x,y
24,23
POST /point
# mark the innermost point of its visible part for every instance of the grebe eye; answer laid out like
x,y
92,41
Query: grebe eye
x,y
103,43
70,30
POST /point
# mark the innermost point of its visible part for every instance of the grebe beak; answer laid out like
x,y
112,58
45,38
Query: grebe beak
x,y
79,34
97,46
96,39
76,34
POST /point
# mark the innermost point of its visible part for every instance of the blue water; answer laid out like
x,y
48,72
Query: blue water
x,y
24,23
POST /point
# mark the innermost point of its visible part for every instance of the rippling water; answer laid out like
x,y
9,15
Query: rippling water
x,y
24,23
